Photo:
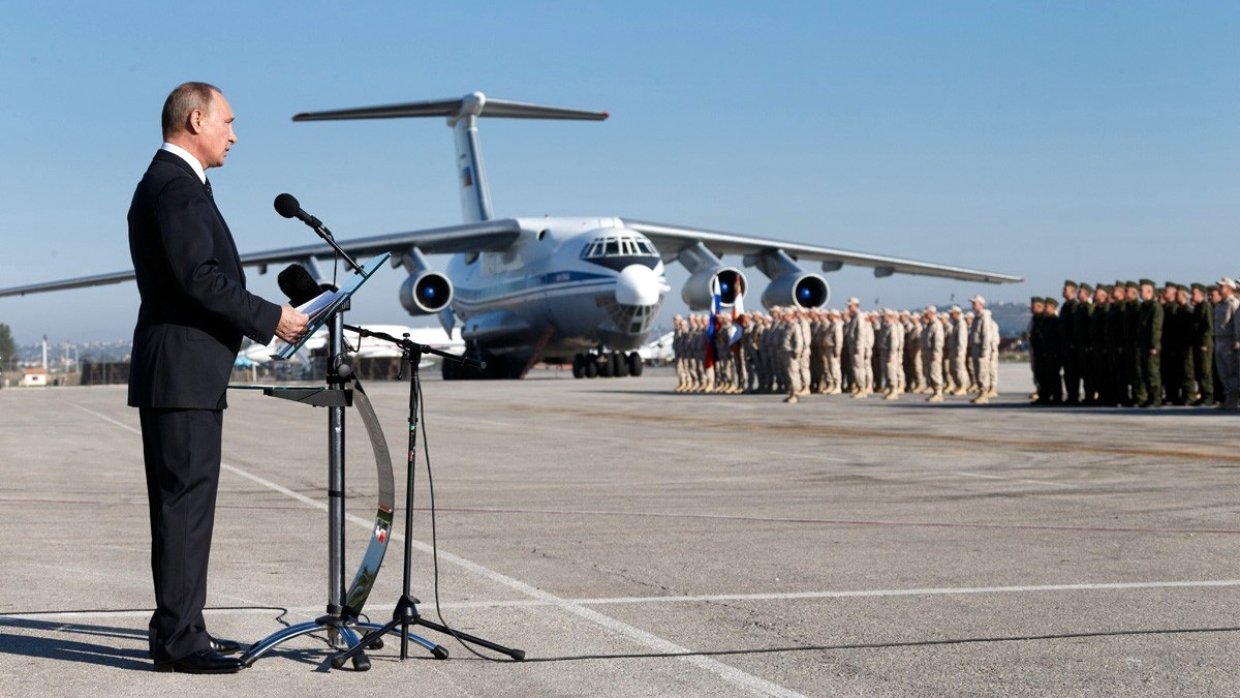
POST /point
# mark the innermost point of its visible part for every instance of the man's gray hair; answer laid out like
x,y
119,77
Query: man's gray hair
x,y
184,99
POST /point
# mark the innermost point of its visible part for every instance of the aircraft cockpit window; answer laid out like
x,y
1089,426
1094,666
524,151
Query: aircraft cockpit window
x,y
625,249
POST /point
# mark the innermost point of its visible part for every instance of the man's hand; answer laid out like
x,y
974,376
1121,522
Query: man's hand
x,y
292,324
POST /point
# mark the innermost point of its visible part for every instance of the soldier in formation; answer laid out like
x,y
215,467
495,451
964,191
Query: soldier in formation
x,y
799,351
1137,344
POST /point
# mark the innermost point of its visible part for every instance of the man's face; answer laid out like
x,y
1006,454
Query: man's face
x,y
1101,296
1147,292
1083,295
1069,292
1117,294
1037,308
1169,293
1199,296
215,131
1132,293
1216,296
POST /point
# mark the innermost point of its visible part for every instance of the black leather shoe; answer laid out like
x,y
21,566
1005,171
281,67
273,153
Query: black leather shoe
x,y
225,646
204,662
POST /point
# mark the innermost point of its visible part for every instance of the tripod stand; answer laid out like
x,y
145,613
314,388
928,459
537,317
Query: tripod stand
x,y
406,615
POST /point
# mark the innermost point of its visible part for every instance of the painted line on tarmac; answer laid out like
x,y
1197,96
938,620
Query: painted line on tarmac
x,y
1050,483
861,593
655,643
709,598
835,522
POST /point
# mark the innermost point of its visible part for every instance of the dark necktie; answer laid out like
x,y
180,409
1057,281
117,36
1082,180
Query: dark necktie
x,y
209,194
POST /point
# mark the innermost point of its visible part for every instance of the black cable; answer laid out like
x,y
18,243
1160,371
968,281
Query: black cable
x,y
430,487
279,618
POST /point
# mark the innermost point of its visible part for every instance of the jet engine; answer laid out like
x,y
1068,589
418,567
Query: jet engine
x,y
699,290
425,293
797,289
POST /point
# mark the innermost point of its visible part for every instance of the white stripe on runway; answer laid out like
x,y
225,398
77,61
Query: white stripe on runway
x,y
653,642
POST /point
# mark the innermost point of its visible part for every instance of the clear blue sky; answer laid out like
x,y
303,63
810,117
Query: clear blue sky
x,y
1095,140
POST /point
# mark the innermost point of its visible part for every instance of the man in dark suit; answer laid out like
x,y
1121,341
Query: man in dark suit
x,y
195,310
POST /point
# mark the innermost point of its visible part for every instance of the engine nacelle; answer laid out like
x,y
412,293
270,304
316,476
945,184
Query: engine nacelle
x,y
425,293
799,290
698,291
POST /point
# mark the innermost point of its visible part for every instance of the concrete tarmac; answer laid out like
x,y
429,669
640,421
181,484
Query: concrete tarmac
x,y
639,542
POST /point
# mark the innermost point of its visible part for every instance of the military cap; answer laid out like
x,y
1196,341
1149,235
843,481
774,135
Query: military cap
x,y
1037,299
932,309
978,299
954,309
1147,282
1134,284
854,301
1103,287
1198,287
1070,283
1171,284
1051,301
1087,287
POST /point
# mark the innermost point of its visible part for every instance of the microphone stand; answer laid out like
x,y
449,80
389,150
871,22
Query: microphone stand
x,y
406,613
322,231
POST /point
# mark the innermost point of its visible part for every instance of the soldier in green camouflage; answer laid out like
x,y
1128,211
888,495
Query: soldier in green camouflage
x,y
1149,346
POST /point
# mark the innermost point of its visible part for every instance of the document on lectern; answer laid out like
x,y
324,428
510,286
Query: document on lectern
x,y
323,306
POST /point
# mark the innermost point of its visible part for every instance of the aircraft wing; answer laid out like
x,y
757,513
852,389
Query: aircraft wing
x,y
66,284
486,236
471,237
671,239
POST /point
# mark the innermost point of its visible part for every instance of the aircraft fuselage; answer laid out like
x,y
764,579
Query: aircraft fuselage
x,y
566,286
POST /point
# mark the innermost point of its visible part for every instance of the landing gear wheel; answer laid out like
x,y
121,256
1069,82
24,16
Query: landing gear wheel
x,y
635,364
604,366
591,367
579,368
619,367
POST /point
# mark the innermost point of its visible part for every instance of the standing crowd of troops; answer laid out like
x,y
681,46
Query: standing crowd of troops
x,y
1137,344
799,351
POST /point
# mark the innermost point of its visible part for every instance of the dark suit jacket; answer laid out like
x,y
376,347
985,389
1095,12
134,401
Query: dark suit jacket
x,y
195,308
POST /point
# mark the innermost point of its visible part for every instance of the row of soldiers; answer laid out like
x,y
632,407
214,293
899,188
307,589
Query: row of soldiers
x,y
798,351
1137,343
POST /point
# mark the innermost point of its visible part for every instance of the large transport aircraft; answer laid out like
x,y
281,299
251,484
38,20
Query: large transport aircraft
x,y
523,290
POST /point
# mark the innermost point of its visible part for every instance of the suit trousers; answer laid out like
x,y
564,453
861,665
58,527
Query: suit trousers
x,y
181,449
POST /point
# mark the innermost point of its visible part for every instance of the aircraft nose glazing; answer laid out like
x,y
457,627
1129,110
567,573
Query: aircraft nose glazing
x,y
638,285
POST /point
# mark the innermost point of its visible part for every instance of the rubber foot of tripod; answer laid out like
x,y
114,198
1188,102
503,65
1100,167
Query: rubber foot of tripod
x,y
377,644
517,655
439,652
360,662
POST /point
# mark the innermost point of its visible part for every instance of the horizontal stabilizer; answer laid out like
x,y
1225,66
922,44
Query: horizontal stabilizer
x,y
476,104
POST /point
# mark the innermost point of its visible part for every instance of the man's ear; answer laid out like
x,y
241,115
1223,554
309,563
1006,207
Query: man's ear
x,y
193,122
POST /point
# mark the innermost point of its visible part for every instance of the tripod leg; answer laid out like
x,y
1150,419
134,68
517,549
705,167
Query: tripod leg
x,y
516,654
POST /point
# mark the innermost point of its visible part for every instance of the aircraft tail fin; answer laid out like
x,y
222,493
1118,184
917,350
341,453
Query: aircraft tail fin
x,y
462,115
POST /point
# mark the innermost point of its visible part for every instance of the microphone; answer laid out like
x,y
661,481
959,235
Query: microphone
x,y
297,284
288,206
